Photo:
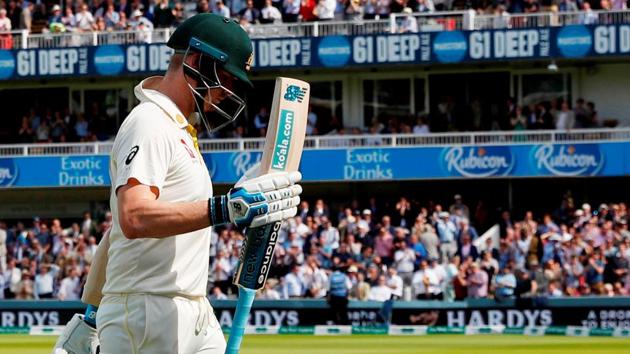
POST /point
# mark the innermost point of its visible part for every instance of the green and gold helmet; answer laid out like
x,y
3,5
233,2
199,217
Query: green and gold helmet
x,y
217,56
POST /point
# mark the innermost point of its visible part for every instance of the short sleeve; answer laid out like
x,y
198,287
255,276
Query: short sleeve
x,y
142,152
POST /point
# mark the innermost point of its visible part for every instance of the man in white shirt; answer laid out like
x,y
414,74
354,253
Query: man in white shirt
x,y
326,9
395,283
270,14
163,204
69,288
381,292
44,282
84,19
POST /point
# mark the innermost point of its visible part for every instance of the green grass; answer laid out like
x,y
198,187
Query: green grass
x,y
367,344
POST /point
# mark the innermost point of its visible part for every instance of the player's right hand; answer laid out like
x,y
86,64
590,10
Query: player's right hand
x,y
77,338
262,200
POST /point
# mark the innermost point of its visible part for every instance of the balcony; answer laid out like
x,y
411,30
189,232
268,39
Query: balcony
x,y
352,141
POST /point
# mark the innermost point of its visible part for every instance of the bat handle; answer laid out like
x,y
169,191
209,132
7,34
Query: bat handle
x,y
243,306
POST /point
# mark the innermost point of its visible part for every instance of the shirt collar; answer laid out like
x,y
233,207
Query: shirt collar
x,y
146,91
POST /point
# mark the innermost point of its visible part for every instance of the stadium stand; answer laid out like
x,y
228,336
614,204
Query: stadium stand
x,y
418,251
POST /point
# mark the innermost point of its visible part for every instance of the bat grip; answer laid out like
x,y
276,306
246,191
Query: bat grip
x,y
243,306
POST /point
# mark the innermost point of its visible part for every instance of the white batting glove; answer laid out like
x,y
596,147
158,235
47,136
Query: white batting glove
x,y
77,338
258,201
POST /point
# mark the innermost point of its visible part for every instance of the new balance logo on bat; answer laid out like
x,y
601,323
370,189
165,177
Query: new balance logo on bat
x,y
283,140
295,93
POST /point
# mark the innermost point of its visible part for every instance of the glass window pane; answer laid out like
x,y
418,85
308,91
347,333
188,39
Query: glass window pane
x,y
384,100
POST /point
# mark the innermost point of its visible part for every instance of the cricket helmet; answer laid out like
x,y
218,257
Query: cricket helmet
x,y
217,56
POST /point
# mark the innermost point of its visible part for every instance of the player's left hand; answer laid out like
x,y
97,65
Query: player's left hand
x,y
77,338
262,200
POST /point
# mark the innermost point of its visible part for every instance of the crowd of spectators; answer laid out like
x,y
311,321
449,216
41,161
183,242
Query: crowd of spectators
x,y
399,251
63,126
48,126
142,15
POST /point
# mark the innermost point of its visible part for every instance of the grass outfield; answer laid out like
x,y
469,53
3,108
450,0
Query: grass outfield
x,y
370,344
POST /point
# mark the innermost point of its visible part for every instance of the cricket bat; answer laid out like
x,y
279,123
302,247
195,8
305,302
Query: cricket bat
x,y
282,152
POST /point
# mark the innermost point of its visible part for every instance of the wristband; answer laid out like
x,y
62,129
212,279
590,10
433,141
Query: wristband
x,y
218,210
90,315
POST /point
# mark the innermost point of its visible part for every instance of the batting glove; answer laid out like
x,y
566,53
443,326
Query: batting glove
x,y
258,201
77,338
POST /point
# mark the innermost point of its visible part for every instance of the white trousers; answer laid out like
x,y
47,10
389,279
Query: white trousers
x,y
142,323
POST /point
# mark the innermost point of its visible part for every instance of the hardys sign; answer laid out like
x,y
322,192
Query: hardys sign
x,y
583,312
573,41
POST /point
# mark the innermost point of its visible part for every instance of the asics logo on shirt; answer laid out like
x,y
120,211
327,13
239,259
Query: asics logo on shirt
x,y
132,154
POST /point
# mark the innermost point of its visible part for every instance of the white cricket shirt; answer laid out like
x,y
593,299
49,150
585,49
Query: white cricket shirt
x,y
154,147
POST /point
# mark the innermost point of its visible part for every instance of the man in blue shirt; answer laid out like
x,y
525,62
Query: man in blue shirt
x,y
339,284
505,283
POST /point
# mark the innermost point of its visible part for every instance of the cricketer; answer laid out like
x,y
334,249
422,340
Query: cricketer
x,y
157,251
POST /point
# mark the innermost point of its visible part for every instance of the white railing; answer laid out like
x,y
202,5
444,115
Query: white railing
x,y
426,22
549,19
352,141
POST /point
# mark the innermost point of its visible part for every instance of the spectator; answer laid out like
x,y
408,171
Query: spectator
x,y
68,20
222,10
405,259
293,284
164,16
315,279
252,15
14,12
268,292
262,118
409,23
421,127
566,117
505,283
354,11
446,231
360,289
384,245
467,249
44,283
291,11
588,17
381,292
325,10
81,128
203,7
430,241
25,287
477,282
270,14
70,286
5,22
111,17
84,19
222,270
27,16
217,294
568,6
140,22
395,283
421,280
6,39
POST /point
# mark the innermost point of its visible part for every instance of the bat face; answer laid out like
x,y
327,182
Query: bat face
x,y
283,150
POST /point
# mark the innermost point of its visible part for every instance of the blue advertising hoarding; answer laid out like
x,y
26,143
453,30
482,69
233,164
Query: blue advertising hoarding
x,y
448,47
360,164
